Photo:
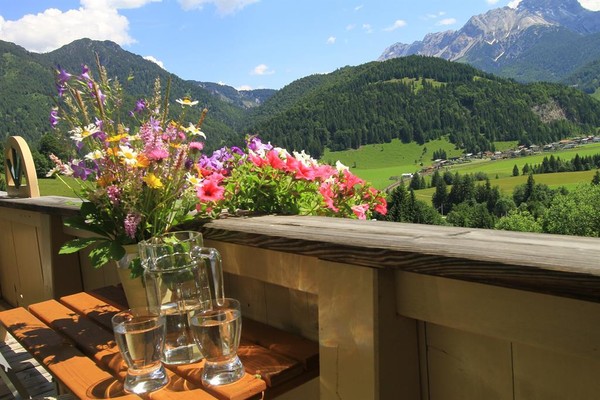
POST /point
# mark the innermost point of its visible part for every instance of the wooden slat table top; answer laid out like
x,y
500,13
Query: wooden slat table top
x,y
73,338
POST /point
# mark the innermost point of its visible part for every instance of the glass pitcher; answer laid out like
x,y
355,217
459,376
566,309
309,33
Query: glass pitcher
x,y
182,277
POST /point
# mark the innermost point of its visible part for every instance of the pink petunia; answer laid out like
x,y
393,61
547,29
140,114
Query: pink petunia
x,y
352,180
275,161
360,210
327,192
209,190
381,207
256,160
300,170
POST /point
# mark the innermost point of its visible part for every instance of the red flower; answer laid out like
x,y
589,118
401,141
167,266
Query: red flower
x,y
275,161
209,190
381,207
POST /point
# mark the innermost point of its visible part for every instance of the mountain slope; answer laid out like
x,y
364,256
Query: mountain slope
x,y
423,98
27,88
519,42
239,98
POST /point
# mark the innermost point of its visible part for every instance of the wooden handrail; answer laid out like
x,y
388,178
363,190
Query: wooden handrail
x,y
560,265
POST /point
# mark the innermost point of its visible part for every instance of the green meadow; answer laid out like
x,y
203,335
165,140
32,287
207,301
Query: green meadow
x,y
378,164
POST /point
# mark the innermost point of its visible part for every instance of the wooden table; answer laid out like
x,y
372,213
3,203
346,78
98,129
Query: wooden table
x,y
73,339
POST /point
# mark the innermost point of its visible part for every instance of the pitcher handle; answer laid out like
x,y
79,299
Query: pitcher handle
x,y
216,270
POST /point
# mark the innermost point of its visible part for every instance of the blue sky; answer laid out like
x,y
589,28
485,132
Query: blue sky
x,y
242,43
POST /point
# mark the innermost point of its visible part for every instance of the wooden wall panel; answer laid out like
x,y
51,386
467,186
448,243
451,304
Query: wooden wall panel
x,y
463,365
9,273
542,374
556,323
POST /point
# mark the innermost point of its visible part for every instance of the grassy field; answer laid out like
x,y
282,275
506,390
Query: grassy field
x,y
379,163
507,184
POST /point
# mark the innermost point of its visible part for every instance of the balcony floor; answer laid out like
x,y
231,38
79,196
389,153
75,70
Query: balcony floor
x,y
34,378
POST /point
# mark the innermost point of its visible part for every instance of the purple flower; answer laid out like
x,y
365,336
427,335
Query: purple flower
x,y
140,106
62,76
54,118
236,150
80,171
131,224
114,194
210,162
189,163
100,135
256,145
85,72
60,89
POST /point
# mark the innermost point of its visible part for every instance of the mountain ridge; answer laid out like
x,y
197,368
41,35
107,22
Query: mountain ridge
x,y
494,41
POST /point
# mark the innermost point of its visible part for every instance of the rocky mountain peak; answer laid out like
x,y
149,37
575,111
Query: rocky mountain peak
x,y
500,34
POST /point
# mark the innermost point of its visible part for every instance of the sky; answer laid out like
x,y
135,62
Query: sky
x,y
247,44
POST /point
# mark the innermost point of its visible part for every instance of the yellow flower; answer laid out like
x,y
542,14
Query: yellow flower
x,y
153,181
186,101
116,138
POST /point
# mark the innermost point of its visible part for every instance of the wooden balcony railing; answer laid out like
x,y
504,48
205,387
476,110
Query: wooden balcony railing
x,y
399,310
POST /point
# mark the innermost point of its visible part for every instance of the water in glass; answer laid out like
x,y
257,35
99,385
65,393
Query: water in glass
x,y
217,332
139,334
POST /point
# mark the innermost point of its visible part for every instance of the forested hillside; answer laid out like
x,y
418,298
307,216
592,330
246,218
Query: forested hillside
x,y
422,98
27,88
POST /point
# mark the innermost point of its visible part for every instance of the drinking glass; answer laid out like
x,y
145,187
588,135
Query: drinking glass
x,y
140,333
217,332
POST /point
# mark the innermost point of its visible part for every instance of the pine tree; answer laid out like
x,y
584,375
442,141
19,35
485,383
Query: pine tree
x,y
596,178
515,170
440,197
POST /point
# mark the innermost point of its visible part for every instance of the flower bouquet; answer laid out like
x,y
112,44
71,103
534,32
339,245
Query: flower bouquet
x,y
134,168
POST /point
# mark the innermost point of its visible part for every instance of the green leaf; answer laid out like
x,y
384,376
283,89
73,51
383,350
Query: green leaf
x,y
135,267
106,251
73,246
79,222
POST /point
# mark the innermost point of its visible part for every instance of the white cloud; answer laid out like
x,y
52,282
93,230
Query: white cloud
x,y
155,60
331,40
397,24
262,69
447,21
434,16
243,87
358,7
350,27
54,28
367,28
491,1
118,4
224,7
593,5
514,3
